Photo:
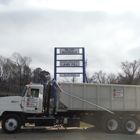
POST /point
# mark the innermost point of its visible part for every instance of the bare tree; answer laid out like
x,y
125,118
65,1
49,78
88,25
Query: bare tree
x,y
20,68
112,79
1,67
99,77
5,68
130,72
15,72
89,79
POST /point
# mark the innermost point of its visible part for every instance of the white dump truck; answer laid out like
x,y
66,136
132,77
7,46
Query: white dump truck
x,y
112,108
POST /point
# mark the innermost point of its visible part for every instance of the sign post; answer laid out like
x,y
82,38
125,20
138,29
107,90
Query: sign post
x,y
71,63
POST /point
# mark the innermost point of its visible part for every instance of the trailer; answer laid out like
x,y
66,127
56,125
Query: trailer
x,y
112,108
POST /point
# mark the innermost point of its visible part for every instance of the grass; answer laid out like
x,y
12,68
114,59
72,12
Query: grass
x,y
82,124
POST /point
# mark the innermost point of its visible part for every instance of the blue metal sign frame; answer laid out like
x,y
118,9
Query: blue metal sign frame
x,y
69,51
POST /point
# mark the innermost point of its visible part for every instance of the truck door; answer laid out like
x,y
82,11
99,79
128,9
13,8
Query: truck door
x,y
31,100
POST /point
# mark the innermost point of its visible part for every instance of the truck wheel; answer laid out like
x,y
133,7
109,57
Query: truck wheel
x,y
11,124
111,124
129,125
103,124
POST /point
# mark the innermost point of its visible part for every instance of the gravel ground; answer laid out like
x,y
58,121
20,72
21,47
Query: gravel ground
x,y
49,133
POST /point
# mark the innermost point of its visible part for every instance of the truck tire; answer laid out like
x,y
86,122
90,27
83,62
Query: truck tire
x,y
103,124
129,125
11,124
111,124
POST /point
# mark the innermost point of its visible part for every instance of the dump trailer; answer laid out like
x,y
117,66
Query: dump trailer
x,y
112,108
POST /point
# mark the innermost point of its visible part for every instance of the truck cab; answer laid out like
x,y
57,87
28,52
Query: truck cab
x,y
32,98
15,110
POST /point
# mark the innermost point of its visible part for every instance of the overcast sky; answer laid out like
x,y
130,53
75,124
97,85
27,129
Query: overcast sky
x,y
107,29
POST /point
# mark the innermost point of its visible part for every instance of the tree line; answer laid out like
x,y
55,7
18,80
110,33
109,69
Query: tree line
x,y
129,75
15,72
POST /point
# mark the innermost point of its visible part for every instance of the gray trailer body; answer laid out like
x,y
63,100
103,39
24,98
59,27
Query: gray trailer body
x,y
111,97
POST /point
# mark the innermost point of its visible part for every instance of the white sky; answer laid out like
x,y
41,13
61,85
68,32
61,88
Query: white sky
x,y
108,29
111,6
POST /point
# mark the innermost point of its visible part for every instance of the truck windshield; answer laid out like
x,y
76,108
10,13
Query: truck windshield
x,y
24,91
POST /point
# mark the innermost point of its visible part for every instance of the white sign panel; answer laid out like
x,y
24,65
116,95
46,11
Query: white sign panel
x,y
118,93
31,102
69,63
69,75
69,51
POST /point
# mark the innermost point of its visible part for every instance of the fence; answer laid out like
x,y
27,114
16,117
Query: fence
x,y
10,90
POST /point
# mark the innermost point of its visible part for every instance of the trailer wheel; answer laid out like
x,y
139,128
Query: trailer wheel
x,y
129,125
11,124
111,124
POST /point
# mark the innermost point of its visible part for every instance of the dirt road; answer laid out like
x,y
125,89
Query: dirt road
x,y
46,133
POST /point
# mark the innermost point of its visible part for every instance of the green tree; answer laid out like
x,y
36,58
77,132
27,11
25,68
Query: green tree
x,y
40,76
